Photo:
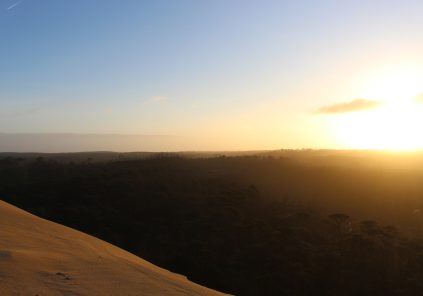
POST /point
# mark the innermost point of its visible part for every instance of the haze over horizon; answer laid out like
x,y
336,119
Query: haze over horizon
x,y
211,147
211,75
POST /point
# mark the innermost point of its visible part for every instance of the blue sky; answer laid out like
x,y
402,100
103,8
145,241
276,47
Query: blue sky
x,y
246,73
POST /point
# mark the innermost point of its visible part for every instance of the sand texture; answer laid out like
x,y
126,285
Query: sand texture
x,y
39,257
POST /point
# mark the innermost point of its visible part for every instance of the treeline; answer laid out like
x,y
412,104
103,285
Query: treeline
x,y
237,224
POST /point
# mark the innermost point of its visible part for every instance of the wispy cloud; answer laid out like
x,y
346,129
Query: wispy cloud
x,y
356,105
14,5
13,112
157,99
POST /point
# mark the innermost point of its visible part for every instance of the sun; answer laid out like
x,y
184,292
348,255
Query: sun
x,y
396,125
391,127
394,86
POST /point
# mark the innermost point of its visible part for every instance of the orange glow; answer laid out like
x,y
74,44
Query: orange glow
x,y
396,125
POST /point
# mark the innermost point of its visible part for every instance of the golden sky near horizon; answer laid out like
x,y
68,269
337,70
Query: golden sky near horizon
x,y
387,115
216,75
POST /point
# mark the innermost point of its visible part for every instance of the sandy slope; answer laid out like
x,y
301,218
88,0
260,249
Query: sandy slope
x,y
39,257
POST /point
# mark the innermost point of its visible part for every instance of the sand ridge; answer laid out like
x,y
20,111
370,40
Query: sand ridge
x,y
39,257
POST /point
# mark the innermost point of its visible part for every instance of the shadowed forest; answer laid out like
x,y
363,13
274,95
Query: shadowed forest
x,y
265,223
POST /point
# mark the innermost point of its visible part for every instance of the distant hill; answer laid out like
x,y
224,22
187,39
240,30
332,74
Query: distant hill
x,y
69,142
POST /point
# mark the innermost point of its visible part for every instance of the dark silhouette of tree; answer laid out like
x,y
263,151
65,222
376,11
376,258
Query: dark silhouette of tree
x,y
215,221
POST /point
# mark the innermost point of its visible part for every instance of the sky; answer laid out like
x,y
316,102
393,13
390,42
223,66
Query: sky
x,y
210,74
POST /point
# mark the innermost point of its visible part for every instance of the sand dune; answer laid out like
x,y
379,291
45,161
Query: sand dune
x,y
39,257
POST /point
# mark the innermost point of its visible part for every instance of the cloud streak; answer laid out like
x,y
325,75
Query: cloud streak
x,y
356,105
157,99
14,5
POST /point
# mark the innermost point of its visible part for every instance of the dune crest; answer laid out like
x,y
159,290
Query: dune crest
x,y
39,257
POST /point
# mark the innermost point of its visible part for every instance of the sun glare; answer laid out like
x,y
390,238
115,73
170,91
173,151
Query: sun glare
x,y
395,125
400,84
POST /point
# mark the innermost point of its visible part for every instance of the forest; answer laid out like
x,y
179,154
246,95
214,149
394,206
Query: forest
x,y
271,223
